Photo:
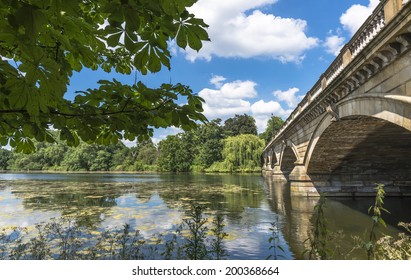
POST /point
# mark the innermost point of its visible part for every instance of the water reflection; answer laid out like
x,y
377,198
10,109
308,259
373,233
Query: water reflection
x,y
297,213
347,215
156,204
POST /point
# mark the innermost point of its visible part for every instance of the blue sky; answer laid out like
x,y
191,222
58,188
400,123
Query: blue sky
x,y
263,57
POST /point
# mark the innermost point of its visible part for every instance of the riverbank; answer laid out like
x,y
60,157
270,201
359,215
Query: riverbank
x,y
129,172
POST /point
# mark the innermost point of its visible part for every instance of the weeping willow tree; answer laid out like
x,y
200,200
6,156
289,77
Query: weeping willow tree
x,y
240,153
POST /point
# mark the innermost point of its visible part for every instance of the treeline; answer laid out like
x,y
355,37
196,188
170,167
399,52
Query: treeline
x,y
85,157
213,147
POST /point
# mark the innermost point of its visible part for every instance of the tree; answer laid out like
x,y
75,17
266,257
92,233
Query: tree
x,y
177,152
42,42
209,144
5,156
102,161
47,156
273,126
147,153
240,124
241,153
54,154
79,158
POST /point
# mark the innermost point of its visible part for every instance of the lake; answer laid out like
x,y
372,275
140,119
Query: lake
x,y
157,203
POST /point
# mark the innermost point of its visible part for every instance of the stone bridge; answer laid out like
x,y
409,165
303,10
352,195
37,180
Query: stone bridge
x,y
352,130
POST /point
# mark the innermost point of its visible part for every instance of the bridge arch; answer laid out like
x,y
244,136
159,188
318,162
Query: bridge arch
x,y
288,157
370,143
270,159
386,107
273,159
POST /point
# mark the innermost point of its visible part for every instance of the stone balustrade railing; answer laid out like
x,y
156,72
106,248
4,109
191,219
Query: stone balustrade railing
x,y
371,27
368,31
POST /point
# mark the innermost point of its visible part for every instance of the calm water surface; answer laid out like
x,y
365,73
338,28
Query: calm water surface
x,y
156,204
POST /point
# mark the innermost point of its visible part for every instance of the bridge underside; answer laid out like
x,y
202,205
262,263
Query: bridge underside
x,y
356,153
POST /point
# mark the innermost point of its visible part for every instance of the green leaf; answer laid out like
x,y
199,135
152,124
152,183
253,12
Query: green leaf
x,y
4,141
114,39
74,62
50,138
132,21
32,19
18,98
28,130
164,59
200,33
128,42
154,64
141,59
70,137
193,40
8,36
382,222
182,37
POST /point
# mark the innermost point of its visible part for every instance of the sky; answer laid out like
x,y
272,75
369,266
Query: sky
x,y
263,57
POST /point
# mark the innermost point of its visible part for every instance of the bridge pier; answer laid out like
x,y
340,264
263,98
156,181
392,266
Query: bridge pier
x,y
277,174
304,185
300,183
360,184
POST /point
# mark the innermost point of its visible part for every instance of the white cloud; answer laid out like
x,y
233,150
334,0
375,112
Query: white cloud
x,y
156,140
238,29
172,46
162,133
261,107
217,81
289,96
355,16
334,44
230,98
239,89
262,112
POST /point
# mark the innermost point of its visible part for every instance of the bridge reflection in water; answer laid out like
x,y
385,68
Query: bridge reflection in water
x,y
347,215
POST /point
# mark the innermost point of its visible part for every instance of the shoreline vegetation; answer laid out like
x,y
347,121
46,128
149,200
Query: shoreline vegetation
x,y
232,147
323,244
122,172
198,237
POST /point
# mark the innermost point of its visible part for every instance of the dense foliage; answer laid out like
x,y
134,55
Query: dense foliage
x,y
192,151
42,42
5,156
273,126
84,157
241,153
240,124
176,153
206,148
